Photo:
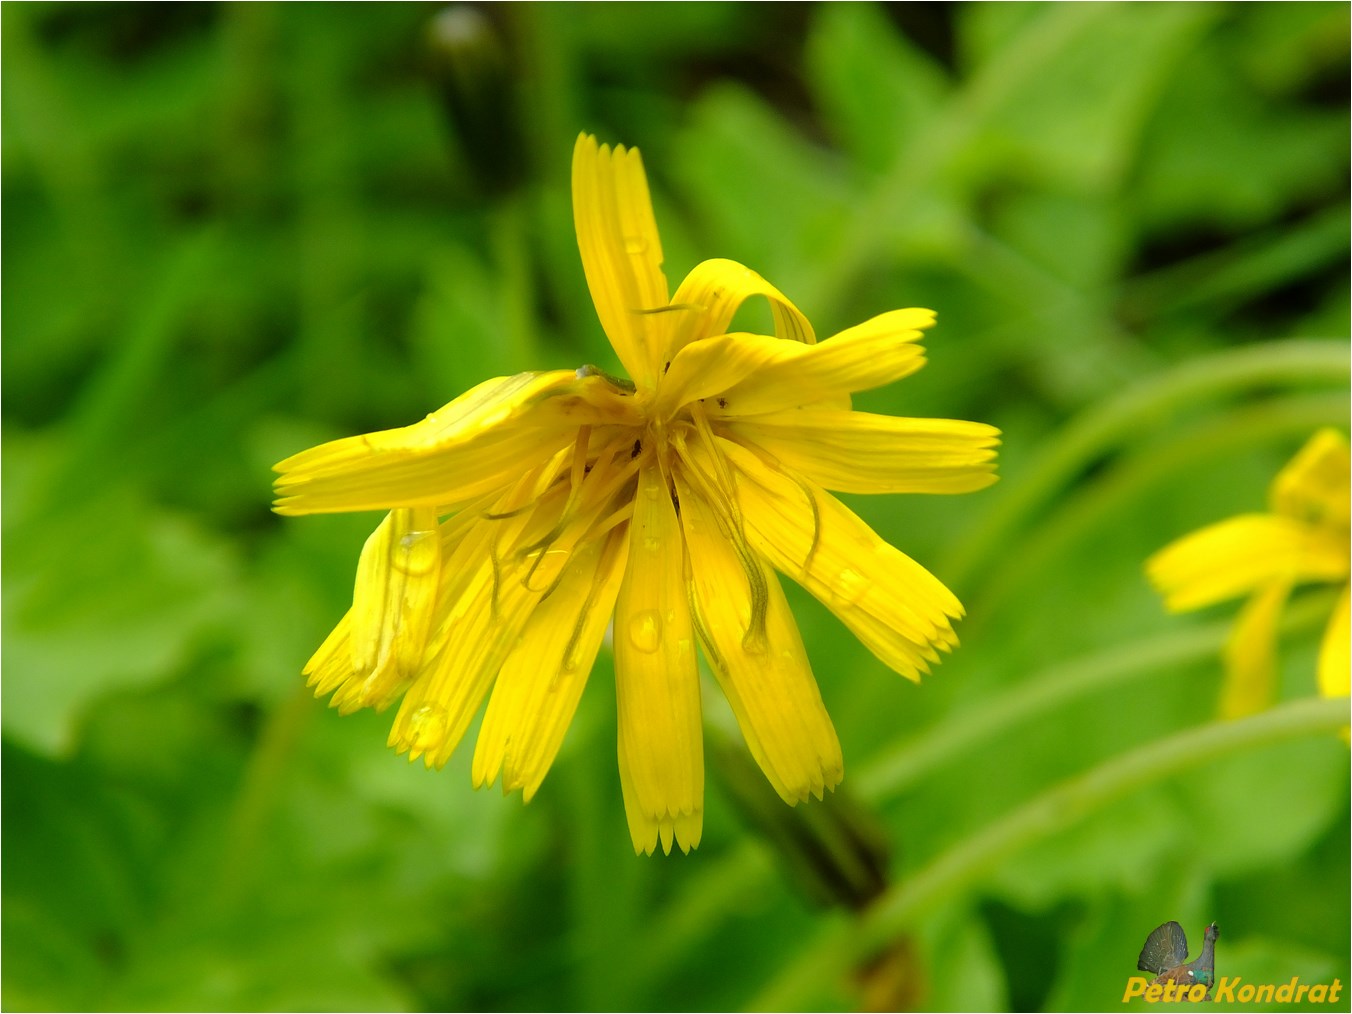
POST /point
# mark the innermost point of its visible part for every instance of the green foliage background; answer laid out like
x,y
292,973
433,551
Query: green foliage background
x,y
234,231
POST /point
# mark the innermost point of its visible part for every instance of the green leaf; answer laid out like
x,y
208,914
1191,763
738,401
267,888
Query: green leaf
x,y
1074,122
965,972
877,89
109,594
1259,811
1207,122
744,167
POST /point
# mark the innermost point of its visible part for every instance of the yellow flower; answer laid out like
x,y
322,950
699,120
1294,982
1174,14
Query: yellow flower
x,y
529,510
1304,537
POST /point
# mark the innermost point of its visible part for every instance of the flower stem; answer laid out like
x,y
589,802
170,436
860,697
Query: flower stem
x,y
1091,507
511,252
840,945
896,770
967,112
246,826
1104,426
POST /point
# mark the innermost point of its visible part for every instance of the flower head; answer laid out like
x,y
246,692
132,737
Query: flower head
x,y
532,509
1302,538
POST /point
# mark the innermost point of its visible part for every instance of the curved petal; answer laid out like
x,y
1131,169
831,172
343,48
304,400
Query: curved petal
x,y
492,588
898,609
331,664
541,681
473,446
357,677
1242,554
764,672
393,601
1333,652
756,374
709,297
1251,653
1314,485
621,254
857,452
656,680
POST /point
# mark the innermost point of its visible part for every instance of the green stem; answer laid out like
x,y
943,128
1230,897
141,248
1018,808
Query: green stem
x,y
1215,283
1104,426
840,945
708,897
963,119
98,424
1080,797
511,254
896,770
269,764
1087,509
745,872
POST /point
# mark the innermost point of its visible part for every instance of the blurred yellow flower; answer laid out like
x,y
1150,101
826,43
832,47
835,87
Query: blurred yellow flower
x,y
529,510
1303,537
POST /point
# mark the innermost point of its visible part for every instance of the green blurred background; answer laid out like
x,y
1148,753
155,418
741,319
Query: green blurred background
x,y
235,231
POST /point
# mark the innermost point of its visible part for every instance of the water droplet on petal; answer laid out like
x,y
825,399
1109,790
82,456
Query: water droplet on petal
x,y
426,730
645,631
410,539
848,588
635,244
417,552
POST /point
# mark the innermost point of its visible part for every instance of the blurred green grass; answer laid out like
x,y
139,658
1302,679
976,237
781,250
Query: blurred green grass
x,y
237,230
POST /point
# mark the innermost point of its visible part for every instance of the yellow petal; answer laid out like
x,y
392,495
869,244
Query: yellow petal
x,y
709,297
1313,487
646,830
331,664
1251,653
621,254
899,610
540,684
745,374
392,607
475,445
856,452
755,650
489,597
1242,554
656,680
1333,652
335,667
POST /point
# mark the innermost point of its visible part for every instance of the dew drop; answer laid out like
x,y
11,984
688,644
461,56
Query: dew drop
x,y
653,491
426,729
651,544
416,554
645,631
635,244
848,588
